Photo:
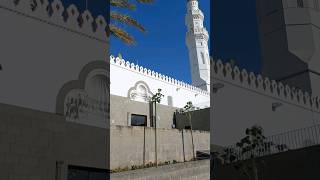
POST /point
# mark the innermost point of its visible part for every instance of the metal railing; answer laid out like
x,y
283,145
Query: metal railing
x,y
291,140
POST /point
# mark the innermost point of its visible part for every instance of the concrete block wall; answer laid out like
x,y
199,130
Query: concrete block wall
x,y
130,145
33,142
200,120
122,107
195,170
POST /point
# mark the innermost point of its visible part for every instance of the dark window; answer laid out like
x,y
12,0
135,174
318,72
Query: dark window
x,y
203,58
174,120
316,4
83,173
138,120
170,101
300,3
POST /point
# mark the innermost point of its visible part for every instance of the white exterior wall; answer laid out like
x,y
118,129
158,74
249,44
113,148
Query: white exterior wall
x,y
246,100
41,52
124,75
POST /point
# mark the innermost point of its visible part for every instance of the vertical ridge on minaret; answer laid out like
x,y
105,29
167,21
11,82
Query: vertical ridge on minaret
x,y
197,38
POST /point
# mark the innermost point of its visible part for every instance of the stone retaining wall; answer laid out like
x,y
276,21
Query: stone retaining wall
x,y
132,145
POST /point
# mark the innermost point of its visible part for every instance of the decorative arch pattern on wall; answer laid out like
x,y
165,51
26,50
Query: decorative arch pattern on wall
x,y
86,100
140,92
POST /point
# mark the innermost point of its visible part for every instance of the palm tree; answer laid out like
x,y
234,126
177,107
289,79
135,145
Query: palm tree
x,y
125,19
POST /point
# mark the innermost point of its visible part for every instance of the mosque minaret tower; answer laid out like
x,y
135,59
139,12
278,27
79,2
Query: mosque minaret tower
x,y
197,42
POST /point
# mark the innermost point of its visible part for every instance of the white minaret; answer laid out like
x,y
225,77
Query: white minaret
x,y
197,41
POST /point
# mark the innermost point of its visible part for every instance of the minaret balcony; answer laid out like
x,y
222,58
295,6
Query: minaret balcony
x,y
197,11
198,31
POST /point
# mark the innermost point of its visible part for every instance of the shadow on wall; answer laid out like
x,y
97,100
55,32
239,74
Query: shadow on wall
x,y
295,164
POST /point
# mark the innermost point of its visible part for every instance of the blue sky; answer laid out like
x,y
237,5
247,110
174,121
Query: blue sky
x,y
235,32
163,48
96,7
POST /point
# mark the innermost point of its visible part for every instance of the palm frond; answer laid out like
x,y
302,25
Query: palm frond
x,y
117,31
145,1
126,19
122,4
121,34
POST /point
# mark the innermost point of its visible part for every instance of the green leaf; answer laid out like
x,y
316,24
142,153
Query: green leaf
x,y
127,20
119,17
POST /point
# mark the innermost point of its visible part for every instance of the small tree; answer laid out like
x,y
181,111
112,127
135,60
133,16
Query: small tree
x,y
232,63
253,142
120,55
188,111
154,100
253,145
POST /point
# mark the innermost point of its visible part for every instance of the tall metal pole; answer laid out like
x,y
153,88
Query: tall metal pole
x,y
155,132
144,146
194,157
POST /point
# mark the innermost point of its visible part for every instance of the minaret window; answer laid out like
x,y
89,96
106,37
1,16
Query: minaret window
x,y
316,4
203,58
300,3
170,101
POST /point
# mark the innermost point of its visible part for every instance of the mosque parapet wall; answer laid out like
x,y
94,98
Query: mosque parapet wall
x,y
253,82
46,45
241,99
56,14
150,73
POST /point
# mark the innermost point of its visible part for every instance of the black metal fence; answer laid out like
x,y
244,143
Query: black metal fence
x,y
291,140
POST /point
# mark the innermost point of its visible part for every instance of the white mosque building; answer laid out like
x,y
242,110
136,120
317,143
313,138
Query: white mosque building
x,y
134,83
139,83
80,89
59,87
